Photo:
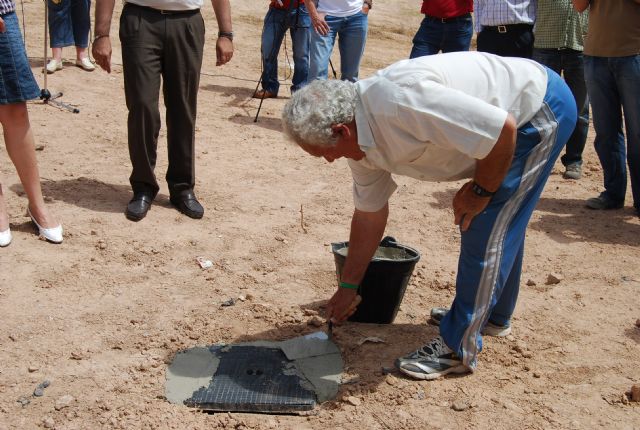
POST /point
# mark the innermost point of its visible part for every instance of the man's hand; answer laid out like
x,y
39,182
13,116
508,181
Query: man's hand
x,y
466,205
319,24
224,50
342,305
2,25
101,51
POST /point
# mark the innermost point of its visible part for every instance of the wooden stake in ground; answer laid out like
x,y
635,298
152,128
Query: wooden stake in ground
x,y
302,219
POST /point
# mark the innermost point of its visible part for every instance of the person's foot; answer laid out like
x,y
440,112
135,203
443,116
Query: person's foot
x,y
48,228
53,65
85,64
573,171
187,203
432,361
264,94
491,329
603,202
139,205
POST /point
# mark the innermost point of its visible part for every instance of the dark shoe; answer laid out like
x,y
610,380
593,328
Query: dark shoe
x,y
188,205
602,202
264,94
139,205
490,329
573,171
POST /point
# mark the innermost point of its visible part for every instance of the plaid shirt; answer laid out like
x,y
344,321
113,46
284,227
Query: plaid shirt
x,y
490,13
7,6
559,25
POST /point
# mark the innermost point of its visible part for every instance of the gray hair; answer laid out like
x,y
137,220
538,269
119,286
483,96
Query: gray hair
x,y
307,118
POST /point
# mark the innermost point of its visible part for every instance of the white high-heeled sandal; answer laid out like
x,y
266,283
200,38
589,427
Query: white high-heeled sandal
x,y
5,238
53,235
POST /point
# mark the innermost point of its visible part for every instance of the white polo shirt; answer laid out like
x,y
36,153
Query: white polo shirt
x,y
432,117
339,8
169,4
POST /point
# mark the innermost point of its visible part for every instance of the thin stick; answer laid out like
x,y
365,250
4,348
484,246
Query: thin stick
x,y
302,219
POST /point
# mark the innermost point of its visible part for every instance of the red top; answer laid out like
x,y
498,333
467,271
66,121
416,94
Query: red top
x,y
285,4
446,8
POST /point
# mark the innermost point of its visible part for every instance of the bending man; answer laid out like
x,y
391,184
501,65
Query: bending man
x,y
500,122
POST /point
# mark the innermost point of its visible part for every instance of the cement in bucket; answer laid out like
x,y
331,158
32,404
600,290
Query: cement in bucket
x,y
384,282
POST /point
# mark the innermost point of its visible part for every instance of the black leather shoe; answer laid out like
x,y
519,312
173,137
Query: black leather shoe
x,y
139,205
188,204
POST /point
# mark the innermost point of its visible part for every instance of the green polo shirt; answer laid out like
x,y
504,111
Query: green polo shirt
x,y
559,25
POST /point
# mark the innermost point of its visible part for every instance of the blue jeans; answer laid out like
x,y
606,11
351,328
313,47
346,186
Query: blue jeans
x,y
434,36
69,23
570,64
17,83
276,24
352,35
614,87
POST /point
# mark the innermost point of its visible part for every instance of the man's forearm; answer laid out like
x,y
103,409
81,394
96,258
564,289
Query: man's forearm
x,y
491,170
222,8
367,229
580,5
104,12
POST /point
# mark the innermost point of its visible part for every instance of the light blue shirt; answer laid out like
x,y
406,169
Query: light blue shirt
x,y
491,13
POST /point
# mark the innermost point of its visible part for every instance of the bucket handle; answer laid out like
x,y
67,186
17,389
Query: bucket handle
x,y
389,242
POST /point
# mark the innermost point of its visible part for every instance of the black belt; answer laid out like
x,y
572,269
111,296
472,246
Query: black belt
x,y
447,20
162,11
507,28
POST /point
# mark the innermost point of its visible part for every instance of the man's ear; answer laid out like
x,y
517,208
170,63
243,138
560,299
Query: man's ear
x,y
340,130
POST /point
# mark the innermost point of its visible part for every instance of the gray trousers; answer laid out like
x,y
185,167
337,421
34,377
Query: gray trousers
x,y
168,46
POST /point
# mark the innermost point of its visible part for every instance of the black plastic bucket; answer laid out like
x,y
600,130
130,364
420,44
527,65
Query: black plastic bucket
x,y
384,282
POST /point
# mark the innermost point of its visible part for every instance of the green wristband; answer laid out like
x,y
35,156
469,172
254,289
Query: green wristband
x,y
348,285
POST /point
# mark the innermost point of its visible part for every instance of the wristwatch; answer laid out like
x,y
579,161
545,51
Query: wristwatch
x,y
478,190
227,34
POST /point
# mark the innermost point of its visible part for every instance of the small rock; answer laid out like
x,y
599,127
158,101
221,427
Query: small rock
x,y
635,393
242,297
23,400
527,354
39,146
32,369
310,312
38,392
48,199
102,244
229,302
391,380
249,296
520,347
553,278
316,321
44,384
63,402
459,406
353,401
536,375
531,283
48,423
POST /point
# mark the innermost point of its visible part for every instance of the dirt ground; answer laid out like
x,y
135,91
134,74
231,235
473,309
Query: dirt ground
x,y
100,315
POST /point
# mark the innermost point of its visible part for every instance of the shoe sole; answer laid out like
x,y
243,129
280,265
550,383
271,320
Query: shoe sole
x,y
431,376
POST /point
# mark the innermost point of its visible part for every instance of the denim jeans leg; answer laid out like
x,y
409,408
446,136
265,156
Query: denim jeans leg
x,y
351,41
573,70
428,38
300,24
607,121
457,35
320,48
272,34
81,22
60,28
627,70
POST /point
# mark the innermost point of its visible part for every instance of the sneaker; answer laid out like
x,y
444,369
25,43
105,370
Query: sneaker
x,y
490,329
603,202
53,66
85,64
432,361
573,171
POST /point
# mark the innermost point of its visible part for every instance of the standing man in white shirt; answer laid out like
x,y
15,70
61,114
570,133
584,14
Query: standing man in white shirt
x,y
161,40
505,27
500,121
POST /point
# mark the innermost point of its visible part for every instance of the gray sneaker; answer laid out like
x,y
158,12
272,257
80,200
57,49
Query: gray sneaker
x,y
490,329
432,361
573,171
